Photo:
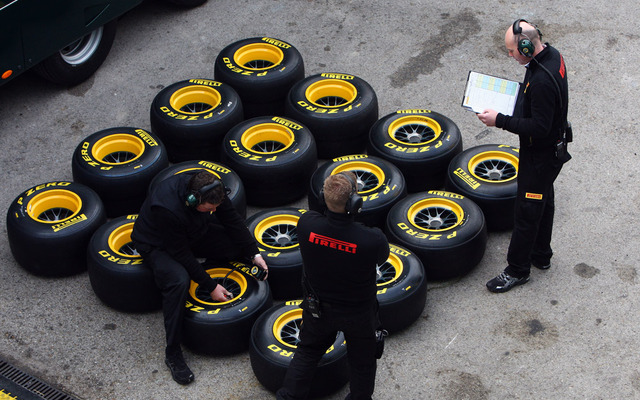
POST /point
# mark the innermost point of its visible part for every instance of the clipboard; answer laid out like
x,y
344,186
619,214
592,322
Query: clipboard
x,y
486,91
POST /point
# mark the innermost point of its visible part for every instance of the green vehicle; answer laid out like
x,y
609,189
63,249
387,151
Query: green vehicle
x,y
64,41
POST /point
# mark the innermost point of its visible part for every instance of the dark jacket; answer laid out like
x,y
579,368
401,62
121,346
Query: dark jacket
x,y
340,257
166,222
537,117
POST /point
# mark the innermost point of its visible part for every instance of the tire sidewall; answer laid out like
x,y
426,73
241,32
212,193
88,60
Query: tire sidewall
x,y
122,186
229,322
260,85
121,281
285,263
57,248
338,130
272,178
423,164
440,250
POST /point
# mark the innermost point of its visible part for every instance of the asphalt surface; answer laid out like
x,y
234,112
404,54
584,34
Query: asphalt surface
x,y
570,333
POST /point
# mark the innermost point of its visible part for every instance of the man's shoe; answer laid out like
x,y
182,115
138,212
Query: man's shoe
x,y
504,282
542,267
179,369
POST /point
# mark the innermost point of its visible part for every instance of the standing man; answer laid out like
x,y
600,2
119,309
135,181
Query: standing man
x,y
539,119
339,258
186,216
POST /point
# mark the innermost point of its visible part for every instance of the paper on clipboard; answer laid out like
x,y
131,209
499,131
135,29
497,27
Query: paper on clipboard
x,y
486,91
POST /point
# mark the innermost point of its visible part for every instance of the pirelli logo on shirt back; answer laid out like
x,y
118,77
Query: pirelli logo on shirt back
x,y
327,241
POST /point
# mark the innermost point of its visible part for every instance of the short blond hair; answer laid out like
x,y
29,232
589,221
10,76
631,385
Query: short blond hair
x,y
337,189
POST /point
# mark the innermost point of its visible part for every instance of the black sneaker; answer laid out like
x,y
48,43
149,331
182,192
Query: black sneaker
x,y
543,266
179,369
504,282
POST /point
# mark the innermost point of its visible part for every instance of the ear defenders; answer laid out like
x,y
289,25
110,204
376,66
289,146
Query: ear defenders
x,y
194,199
525,45
354,201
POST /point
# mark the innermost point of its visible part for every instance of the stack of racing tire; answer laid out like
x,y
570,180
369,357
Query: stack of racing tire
x,y
272,136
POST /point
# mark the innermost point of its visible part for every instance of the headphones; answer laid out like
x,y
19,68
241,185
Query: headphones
x,y
194,198
353,205
525,45
526,48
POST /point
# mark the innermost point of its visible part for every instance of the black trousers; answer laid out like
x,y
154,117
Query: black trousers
x,y
173,280
534,211
318,334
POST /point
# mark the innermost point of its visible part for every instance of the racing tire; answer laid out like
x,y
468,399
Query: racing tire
x,y
379,182
119,164
447,232
49,227
275,231
191,118
421,143
224,328
274,339
275,158
402,289
339,110
487,174
229,178
262,70
119,276
80,59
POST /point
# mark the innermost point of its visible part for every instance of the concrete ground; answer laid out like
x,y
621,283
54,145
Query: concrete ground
x,y
571,333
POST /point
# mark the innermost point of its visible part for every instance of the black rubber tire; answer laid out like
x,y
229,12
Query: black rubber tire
x,y
80,59
274,339
275,158
119,164
229,178
191,118
49,227
262,70
402,289
119,276
447,231
380,184
224,328
488,174
275,231
421,143
339,110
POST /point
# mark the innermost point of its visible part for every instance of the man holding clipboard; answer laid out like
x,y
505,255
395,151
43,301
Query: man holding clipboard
x,y
540,120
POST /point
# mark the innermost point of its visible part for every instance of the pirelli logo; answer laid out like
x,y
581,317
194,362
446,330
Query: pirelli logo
x,y
326,241
533,196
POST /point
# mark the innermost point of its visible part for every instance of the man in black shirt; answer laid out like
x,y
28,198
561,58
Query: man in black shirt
x,y
539,120
339,258
186,216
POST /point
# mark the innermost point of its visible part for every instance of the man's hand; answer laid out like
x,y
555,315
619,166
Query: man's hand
x,y
261,263
220,294
488,117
